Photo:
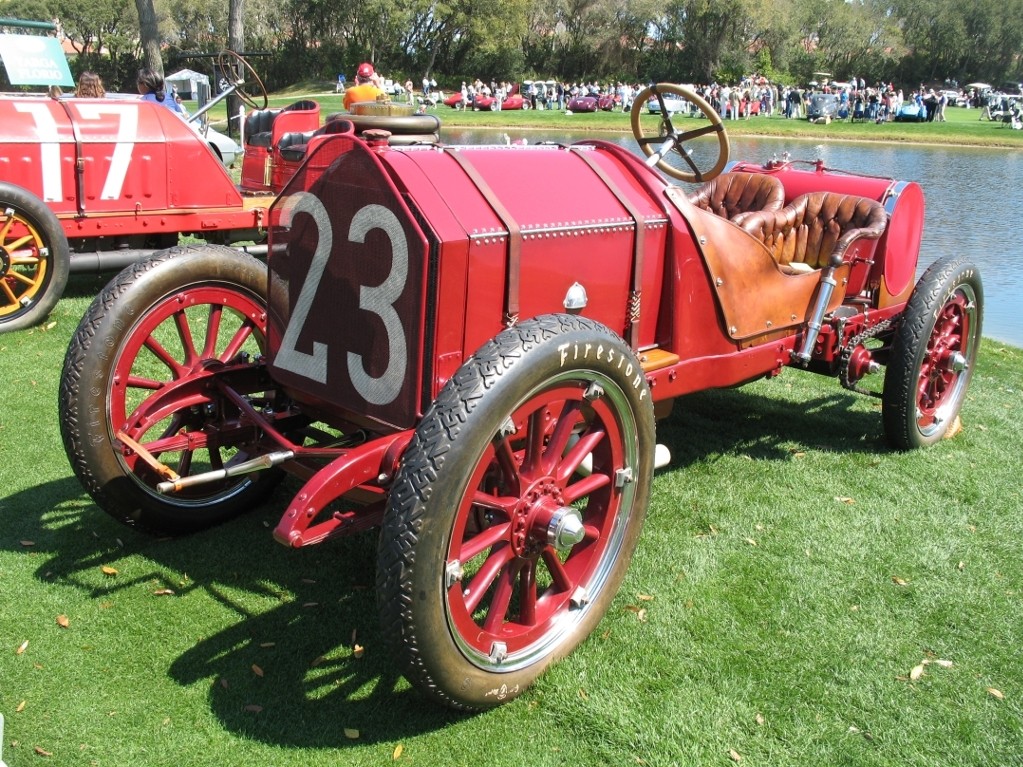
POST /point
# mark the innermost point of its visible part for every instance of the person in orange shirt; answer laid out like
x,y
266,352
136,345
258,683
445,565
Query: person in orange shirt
x,y
365,89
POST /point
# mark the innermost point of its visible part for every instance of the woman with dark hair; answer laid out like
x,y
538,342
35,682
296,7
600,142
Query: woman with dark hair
x,y
150,83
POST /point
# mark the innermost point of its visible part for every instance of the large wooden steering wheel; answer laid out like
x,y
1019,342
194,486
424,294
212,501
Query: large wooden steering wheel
x,y
673,141
238,72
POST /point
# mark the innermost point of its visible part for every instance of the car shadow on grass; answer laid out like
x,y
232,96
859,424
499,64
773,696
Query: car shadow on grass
x,y
299,661
769,426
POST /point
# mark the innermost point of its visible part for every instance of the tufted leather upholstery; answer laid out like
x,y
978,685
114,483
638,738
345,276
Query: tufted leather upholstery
x,y
817,229
733,195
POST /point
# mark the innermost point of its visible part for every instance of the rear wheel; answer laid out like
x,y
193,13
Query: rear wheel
x,y
516,510
933,354
34,259
128,397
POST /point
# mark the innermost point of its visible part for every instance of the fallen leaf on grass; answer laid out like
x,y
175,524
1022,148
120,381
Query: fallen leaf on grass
x,y
63,621
317,661
750,541
899,581
917,672
42,751
942,663
351,733
644,597
760,719
358,651
996,693
163,592
583,695
257,670
253,708
845,499
734,755
223,682
28,543
108,570
21,648
267,644
21,707
396,755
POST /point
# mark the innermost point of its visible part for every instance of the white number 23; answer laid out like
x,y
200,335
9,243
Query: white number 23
x,y
378,300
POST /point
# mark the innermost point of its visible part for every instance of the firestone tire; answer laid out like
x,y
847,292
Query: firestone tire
x,y
933,354
34,259
159,322
516,510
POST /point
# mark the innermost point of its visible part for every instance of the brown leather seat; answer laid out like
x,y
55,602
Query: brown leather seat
x,y
733,195
817,229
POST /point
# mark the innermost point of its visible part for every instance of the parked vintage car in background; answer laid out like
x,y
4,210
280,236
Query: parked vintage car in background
x,y
90,185
473,362
822,107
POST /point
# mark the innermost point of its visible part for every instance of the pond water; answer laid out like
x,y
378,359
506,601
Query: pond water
x,y
974,200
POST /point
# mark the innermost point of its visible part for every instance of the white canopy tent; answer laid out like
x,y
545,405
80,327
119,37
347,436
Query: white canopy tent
x,y
186,82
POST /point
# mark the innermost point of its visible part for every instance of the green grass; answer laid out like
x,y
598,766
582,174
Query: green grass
x,y
793,573
962,128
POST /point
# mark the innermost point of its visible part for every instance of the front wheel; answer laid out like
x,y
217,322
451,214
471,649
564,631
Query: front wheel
x,y
516,510
933,354
138,397
34,259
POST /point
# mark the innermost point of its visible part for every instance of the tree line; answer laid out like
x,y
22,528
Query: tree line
x,y
907,42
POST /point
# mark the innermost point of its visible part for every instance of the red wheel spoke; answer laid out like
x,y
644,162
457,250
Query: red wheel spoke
x,y
185,463
137,382
560,578
534,442
501,503
216,460
497,610
586,445
507,463
187,341
585,486
499,557
479,543
559,439
527,594
177,370
209,350
237,341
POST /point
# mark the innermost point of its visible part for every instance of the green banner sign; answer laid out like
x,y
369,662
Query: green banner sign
x,y
34,60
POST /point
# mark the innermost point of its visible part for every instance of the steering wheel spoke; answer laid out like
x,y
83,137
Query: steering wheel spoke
x,y
242,73
653,146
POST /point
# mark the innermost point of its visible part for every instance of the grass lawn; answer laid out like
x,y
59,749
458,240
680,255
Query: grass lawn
x,y
800,596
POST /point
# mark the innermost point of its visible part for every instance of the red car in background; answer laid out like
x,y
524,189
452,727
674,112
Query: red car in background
x,y
91,185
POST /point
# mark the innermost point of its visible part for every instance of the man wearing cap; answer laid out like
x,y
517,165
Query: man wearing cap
x,y
364,89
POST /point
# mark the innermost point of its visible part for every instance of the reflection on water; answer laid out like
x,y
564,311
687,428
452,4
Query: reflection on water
x,y
974,197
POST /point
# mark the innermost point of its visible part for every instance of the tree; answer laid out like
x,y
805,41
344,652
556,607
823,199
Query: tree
x,y
149,35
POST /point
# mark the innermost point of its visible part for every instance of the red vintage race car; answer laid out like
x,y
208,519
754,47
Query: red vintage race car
x,y
475,363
